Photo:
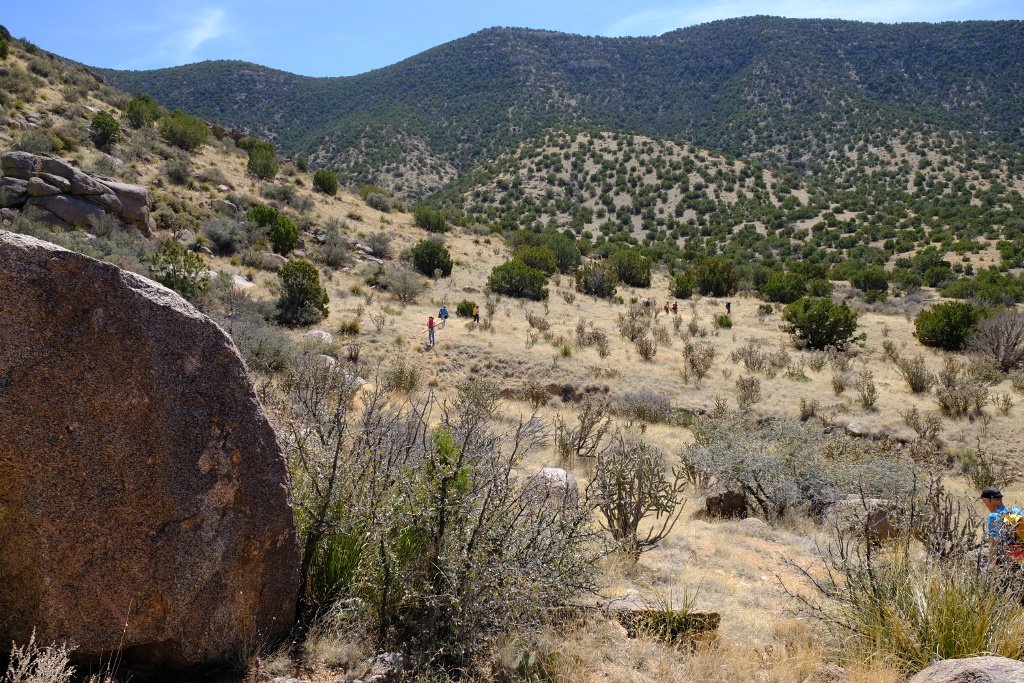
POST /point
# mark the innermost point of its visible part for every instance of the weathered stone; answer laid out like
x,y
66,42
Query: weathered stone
x,y
63,184
868,515
108,201
753,525
13,192
57,167
555,480
829,673
19,164
71,210
8,214
298,253
144,494
83,184
225,207
37,187
972,670
272,261
727,504
136,192
241,283
319,336
855,429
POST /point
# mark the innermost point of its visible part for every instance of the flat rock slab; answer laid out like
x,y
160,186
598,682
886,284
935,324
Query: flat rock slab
x,y
143,498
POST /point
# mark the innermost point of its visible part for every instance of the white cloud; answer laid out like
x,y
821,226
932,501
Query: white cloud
x,y
209,25
658,20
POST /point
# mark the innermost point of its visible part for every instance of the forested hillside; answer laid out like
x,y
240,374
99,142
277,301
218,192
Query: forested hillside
x,y
786,90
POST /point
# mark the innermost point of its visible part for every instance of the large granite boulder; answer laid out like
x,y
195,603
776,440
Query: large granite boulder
x,y
143,498
972,670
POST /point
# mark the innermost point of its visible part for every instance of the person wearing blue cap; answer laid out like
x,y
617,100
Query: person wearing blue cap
x,y
1004,543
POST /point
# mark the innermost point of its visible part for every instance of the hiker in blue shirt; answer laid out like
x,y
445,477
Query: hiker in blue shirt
x,y
996,530
443,315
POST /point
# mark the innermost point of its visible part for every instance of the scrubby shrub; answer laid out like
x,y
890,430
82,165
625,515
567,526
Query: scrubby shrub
x,y
404,284
681,286
141,111
870,280
177,268
430,257
724,322
645,348
716,277
464,309
780,464
989,286
783,287
748,392
326,181
5,50
105,130
418,521
380,243
178,171
597,279
566,252
819,323
540,258
283,235
303,299
946,325
819,287
916,373
378,201
644,405
515,278
262,160
632,268
261,215
183,131
226,235
429,219
35,141
1001,338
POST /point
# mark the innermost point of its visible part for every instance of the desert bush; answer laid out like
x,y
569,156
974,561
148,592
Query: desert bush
x,y
141,111
183,131
816,360
819,323
537,321
819,287
634,323
35,141
866,389
840,383
265,347
716,277
380,243
283,235
584,439
540,258
724,322
913,612
379,202
516,279
402,377
783,287
32,663
303,299
335,250
178,171
631,485
699,358
681,286
597,279
751,354
748,392
646,348
429,219
262,161
568,297
228,236
177,268
566,252
916,373
326,181
1000,337
946,325
1017,380
404,284
412,519
430,257
870,280
536,395
464,309
644,405
809,408
984,370
631,267
779,464
105,130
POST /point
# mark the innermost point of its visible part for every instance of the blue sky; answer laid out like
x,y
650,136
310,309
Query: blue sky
x,y
318,38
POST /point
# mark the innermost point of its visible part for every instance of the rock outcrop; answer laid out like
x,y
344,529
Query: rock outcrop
x,y
143,499
972,670
67,196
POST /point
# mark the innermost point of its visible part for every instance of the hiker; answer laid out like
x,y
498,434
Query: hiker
x,y
443,315
430,329
728,308
1004,544
476,314
666,308
675,307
